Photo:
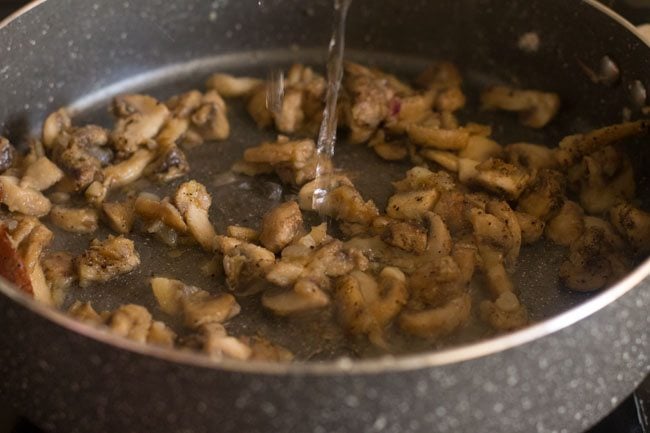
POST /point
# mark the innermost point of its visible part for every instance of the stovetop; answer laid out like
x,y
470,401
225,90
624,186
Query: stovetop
x,y
631,416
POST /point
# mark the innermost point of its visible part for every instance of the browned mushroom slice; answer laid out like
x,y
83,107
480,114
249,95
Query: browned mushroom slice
x,y
280,226
12,266
25,200
201,308
438,321
532,228
535,108
7,154
171,162
305,296
229,86
85,312
366,306
182,106
256,107
41,174
531,156
264,350
335,196
139,118
447,160
59,269
429,133
105,260
160,334
604,184
388,150
119,215
573,147
245,263
129,170
406,236
75,220
193,201
130,321
56,123
501,178
594,261
505,313
567,226
545,196
149,207
634,224
22,245
245,234
294,161
209,119
217,344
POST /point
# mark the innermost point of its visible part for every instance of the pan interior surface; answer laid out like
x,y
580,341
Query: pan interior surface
x,y
243,200
468,33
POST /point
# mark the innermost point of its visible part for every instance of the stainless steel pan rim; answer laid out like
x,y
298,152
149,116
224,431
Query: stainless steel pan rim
x,y
370,366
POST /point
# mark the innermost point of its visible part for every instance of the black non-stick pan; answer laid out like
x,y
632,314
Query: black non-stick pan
x,y
583,355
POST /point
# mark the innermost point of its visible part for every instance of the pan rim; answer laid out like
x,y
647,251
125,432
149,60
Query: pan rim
x,y
383,364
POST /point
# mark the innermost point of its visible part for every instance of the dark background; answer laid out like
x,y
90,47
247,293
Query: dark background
x,y
623,420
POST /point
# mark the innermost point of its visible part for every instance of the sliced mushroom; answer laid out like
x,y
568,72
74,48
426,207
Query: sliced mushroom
x,y
130,321
535,108
25,200
56,123
7,154
107,259
41,174
129,170
532,228
545,196
594,260
209,119
245,234
139,119
280,226
59,270
85,312
506,313
229,86
388,150
246,263
634,224
531,156
429,133
406,236
336,196
573,147
120,215
439,321
501,178
193,201
75,220
149,207
216,343
305,296
567,226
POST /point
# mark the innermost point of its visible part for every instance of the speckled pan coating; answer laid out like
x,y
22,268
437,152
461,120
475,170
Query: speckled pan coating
x,y
561,382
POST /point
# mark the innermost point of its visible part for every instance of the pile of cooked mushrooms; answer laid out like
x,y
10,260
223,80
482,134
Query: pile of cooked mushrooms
x,y
456,221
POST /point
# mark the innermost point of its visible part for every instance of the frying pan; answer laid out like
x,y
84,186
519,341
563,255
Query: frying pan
x,y
581,358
